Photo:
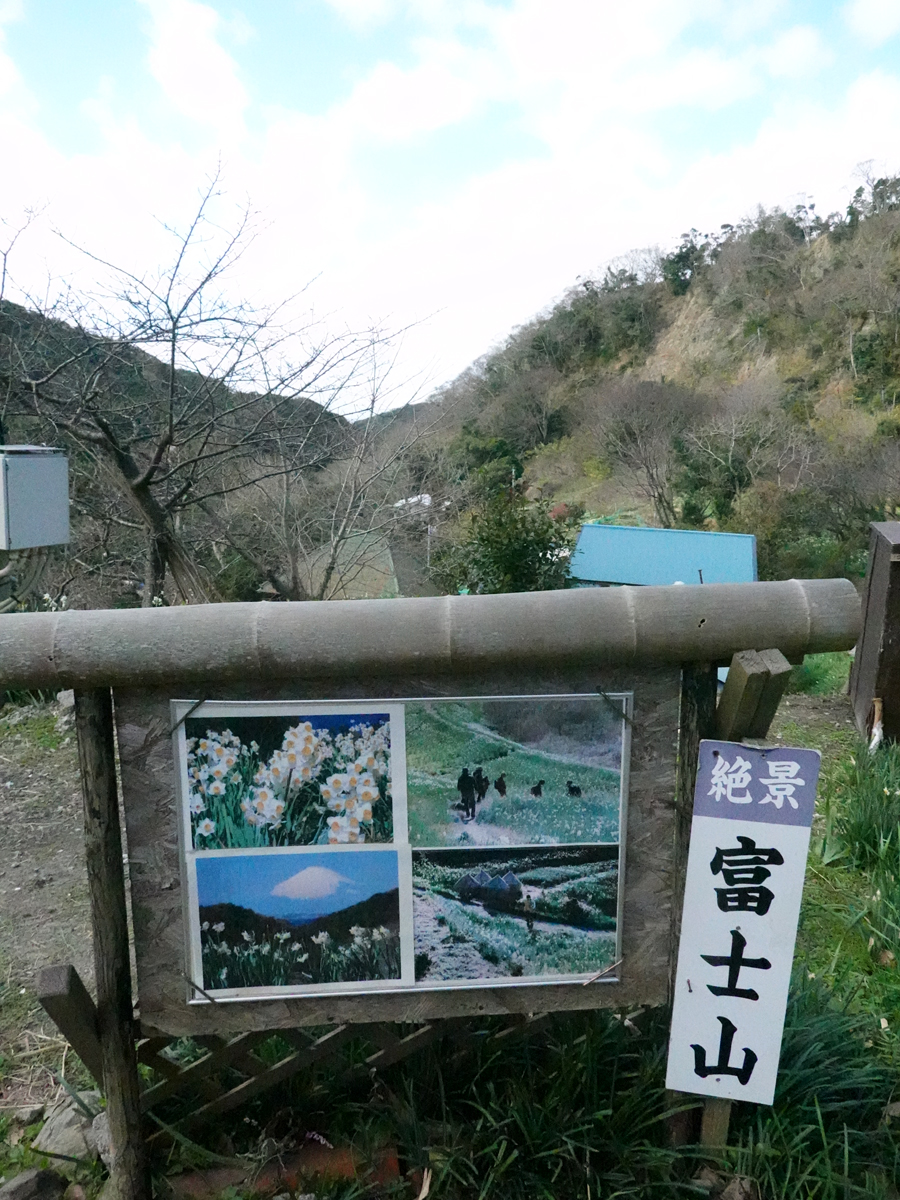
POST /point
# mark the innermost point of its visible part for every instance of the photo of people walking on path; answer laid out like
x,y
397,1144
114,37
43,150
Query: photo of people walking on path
x,y
512,772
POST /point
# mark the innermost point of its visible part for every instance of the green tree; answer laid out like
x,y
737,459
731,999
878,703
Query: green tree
x,y
681,266
511,545
485,462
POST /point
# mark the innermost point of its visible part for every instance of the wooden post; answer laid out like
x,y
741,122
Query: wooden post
x,y
875,674
778,676
740,695
716,1119
129,1174
67,1003
751,695
696,721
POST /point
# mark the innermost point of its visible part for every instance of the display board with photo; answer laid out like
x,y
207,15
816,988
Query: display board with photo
x,y
417,844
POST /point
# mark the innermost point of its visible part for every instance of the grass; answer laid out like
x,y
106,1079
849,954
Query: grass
x,y
33,725
581,1110
821,674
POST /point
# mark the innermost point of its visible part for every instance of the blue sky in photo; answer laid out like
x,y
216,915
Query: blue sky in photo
x,y
269,732
448,165
296,885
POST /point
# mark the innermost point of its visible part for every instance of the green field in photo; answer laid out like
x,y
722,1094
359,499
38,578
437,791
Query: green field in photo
x,y
444,737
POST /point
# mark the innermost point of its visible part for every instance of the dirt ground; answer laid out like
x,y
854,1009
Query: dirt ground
x,y
44,909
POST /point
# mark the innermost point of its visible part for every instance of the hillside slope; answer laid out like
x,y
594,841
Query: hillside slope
x,y
747,381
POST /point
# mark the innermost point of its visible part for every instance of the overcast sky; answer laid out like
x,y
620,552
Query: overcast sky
x,y
452,162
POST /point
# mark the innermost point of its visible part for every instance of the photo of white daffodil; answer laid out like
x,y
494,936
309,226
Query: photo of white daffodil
x,y
298,919
299,780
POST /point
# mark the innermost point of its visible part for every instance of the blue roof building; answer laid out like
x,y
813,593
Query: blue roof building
x,y
608,554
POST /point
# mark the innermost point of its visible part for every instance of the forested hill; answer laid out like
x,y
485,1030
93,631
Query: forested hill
x,y
747,381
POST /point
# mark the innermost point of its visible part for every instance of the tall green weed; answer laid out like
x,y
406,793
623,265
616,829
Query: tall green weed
x,y
864,831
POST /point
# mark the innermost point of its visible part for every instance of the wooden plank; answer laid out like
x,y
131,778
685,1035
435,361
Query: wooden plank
x,y
382,1035
189,1077
697,720
520,1027
129,1172
741,695
516,1028
158,1062
779,674
67,1003
403,1047
864,671
322,1049
243,1060
875,673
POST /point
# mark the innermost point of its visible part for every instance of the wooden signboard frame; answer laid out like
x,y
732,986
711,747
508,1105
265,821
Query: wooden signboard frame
x,y
875,673
663,729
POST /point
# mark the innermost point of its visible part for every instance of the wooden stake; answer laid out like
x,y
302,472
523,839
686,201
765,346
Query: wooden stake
x,y
741,694
129,1175
67,1002
714,1125
779,674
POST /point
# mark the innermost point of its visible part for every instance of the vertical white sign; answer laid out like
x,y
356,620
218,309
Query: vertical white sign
x,y
749,840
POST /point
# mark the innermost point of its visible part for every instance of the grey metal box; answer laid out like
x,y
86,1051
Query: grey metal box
x,y
34,497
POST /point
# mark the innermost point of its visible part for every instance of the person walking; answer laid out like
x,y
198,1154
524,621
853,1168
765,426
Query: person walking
x,y
528,905
465,785
482,783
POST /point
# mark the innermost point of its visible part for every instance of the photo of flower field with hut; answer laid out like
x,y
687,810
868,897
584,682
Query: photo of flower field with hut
x,y
298,920
301,780
512,772
514,914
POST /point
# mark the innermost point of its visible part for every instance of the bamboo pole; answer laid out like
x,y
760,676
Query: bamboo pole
x,y
432,635
129,1172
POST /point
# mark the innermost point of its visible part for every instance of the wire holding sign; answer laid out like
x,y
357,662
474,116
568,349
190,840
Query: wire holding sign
x,y
749,840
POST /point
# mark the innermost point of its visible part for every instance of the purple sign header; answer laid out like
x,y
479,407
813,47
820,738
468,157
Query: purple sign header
x,y
736,782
